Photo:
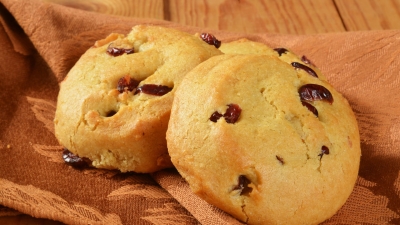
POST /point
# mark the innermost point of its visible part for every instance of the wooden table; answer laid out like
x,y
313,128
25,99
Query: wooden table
x,y
274,16
249,16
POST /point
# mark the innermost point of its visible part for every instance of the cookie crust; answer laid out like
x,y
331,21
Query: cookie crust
x,y
126,130
268,167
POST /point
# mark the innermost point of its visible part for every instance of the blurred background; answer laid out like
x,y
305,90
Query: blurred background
x,y
255,16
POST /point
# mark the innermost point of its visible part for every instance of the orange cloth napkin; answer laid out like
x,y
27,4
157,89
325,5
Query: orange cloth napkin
x,y
40,42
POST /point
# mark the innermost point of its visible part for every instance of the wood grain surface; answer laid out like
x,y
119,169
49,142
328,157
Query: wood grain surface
x,y
369,14
287,17
250,16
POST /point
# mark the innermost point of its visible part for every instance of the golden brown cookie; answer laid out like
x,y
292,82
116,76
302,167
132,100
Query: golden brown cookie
x,y
114,105
264,141
245,46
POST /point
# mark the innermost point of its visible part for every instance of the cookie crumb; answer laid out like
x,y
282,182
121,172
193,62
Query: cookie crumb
x,y
8,146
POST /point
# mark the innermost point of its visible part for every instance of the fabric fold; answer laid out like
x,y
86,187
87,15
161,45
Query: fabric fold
x,y
205,213
18,38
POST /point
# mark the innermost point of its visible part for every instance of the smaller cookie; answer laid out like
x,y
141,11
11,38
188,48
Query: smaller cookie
x,y
245,46
114,105
262,141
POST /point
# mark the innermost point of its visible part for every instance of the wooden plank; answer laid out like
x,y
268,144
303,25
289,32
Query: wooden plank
x,y
286,16
369,14
132,8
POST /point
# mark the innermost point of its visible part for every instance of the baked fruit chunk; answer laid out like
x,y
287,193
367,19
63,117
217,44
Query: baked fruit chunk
x,y
114,105
264,141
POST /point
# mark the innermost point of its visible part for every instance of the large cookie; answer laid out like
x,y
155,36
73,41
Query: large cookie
x,y
264,141
114,105
245,46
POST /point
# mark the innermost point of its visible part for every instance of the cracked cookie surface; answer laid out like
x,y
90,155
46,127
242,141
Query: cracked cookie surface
x,y
277,162
114,105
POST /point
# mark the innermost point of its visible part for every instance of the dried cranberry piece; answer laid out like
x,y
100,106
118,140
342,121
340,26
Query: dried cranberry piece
x,y
243,185
324,151
114,51
153,89
310,107
280,159
210,39
306,60
129,51
215,116
315,92
75,160
280,51
126,83
305,68
232,113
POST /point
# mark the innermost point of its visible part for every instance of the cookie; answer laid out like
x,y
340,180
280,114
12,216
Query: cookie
x,y
245,46
114,105
264,141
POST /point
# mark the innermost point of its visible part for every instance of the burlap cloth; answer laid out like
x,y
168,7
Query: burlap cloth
x,y
40,42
